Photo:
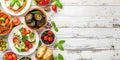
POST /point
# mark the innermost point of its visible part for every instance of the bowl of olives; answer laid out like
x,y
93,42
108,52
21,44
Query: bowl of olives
x,y
3,44
35,18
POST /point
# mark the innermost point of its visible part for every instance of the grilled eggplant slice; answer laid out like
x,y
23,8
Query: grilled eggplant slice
x,y
32,24
38,17
28,18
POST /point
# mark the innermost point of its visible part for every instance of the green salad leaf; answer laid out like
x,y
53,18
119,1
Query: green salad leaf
x,y
32,35
24,38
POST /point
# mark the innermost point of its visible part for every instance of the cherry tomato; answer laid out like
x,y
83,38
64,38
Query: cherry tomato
x,y
2,29
16,21
50,38
54,8
28,32
16,40
46,1
45,37
50,32
23,31
27,43
41,3
26,48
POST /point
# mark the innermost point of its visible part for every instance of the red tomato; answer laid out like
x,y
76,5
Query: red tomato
x,y
28,32
6,21
54,8
45,37
10,56
50,38
46,1
41,3
16,40
26,48
2,29
16,21
23,31
27,42
50,32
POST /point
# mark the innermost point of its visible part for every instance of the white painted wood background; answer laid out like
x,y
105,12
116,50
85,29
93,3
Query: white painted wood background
x,y
91,28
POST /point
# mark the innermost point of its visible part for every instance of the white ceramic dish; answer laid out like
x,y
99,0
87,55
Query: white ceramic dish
x,y
13,13
11,44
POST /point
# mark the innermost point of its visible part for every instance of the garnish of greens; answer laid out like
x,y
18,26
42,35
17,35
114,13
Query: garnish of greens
x,y
58,57
13,2
57,3
60,45
54,26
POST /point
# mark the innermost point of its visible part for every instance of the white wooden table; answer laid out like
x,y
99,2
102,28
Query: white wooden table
x,y
91,29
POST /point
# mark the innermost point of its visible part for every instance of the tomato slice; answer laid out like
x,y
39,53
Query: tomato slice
x,y
16,40
16,21
28,32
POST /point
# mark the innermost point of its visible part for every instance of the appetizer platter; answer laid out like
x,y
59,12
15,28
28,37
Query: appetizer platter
x,y
31,37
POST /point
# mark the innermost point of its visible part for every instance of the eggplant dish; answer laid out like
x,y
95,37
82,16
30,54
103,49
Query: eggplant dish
x,y
35,19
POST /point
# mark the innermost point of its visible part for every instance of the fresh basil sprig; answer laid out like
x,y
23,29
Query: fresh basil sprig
x,y
58,57
54,26
40,43
35,2
57,3
60,45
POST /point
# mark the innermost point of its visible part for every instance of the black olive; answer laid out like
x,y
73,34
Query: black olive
x,y
38,17
28,18
32,24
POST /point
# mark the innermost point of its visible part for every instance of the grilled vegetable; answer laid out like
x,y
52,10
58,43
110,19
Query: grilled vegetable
x,y
28,18
32,24
38,17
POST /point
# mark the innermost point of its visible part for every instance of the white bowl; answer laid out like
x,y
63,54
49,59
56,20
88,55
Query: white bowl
x,y
11,44
13,13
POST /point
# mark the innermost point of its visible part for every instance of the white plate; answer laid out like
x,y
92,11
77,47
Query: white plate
x,y
11,44
13,13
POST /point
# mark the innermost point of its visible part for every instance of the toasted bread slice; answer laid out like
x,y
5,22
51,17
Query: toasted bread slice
x,y
48,54
41,51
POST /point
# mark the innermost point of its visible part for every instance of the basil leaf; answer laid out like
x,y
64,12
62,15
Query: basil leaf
x,y
34,41
58,4
56,29
35,2
31,35
53,24
24,38
60,47
36,12
54,58
12,3
18,3
60,57
62,41
55,46
40,43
